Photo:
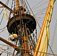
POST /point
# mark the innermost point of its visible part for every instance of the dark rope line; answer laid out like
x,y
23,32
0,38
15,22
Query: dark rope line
x,y
3,27
51,49
40,5
2,30
39,13
38,24
3,13
11,8
2,19
26,7
29,7
14,15
15,19
42,9
32,11
37,4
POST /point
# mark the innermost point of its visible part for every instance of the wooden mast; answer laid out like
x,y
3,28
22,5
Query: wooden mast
x,y
25,38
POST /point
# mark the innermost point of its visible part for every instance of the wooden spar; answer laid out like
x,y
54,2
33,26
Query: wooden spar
x,y
9,43
5,14
6,7
47,17
17,5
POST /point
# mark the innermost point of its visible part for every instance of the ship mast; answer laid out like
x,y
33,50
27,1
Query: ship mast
x,y
17,5
25,51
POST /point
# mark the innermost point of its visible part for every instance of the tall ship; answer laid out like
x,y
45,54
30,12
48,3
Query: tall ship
x,y
25,28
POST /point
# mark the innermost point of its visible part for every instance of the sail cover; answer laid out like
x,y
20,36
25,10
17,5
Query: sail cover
x,y
44,43
43,39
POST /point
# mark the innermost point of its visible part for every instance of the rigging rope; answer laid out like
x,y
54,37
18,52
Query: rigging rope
x,y
40,17
4,49
47,53
2,30
31,40
26,7
14,49
40,5
29,7
7,53
2,6
2,19
32,12
3,13
37,4
39,13
31,50
39,21
54,34
11,8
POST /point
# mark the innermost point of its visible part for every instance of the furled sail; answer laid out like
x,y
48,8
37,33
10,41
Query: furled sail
x,y
43,40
